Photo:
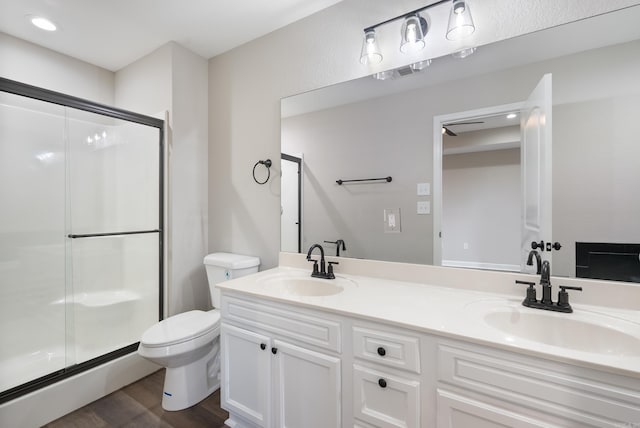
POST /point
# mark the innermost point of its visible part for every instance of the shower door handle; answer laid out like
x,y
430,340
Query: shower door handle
x,y
94,235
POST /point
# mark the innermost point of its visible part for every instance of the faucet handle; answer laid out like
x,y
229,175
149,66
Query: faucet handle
x,y
315,265
531,292
330,274
563,297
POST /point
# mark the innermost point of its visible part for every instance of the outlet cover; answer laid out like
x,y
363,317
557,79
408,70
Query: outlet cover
x,y
392,220
424,189
424,207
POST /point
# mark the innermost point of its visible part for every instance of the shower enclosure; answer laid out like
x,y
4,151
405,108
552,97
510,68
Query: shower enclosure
x,y
80,234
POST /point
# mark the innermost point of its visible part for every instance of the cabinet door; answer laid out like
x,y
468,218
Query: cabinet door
x,y
307,387
246,374
458,411
385,400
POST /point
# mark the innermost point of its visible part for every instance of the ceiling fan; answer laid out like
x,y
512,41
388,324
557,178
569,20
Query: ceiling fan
x,y
446,130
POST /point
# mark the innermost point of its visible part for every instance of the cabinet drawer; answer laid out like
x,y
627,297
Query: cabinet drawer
x,y
384,400
283,322
388,348
589,397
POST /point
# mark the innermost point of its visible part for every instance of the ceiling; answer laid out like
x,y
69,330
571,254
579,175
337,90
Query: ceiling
x,y
113,33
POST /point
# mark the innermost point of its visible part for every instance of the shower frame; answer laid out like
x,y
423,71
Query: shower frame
x,y
46,95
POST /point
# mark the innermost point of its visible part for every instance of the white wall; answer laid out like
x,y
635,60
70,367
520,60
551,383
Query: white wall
x,y
246,84
189,174
481,208
174,79
144,86
38,66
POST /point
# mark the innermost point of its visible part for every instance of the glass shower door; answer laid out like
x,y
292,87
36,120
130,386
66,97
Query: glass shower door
x,y
114,234
32,243
80,234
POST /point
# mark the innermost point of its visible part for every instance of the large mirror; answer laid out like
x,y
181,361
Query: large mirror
x,y
462,205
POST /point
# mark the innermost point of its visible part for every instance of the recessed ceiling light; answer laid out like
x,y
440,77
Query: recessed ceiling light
x,y
42,23
511,116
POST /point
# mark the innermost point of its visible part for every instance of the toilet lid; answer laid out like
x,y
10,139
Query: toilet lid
x,y
181,328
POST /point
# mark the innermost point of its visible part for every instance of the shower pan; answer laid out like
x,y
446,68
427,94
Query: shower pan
x,y
81,189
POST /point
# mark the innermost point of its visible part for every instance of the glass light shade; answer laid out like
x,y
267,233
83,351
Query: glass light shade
x,y
383,75
370,53
413,30
460,21
463,53
420,65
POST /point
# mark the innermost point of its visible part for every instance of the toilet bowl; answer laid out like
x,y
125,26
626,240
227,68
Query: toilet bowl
x,y
188,344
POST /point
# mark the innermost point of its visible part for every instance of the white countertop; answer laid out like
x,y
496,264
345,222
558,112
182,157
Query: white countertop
x,y
446,311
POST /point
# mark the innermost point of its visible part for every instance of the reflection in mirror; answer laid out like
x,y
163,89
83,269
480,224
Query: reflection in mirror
x,y
386,129
481,174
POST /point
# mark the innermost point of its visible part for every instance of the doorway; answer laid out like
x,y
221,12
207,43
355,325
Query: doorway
x,y
291,200
477,188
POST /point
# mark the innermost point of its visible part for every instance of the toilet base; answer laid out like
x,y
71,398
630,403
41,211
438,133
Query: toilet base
x,y
187,385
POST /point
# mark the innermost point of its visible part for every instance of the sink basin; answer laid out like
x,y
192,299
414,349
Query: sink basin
x,y
306,286
583,331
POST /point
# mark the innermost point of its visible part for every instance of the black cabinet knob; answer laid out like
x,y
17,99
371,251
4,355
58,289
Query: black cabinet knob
x,y
274,351
263,346
382,383
381,351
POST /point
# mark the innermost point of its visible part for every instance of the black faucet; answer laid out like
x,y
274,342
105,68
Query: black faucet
x,y
322,273
545,281
533,253
339,243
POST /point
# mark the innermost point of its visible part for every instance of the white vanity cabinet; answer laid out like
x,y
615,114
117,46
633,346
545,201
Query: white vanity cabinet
x,y
270,376
482,387
284,365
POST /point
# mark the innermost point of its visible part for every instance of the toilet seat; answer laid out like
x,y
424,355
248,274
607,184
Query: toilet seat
x,y
181,328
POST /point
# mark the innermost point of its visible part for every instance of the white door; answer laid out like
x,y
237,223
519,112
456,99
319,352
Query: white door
x,y
535,154
308,388
290,200
246,374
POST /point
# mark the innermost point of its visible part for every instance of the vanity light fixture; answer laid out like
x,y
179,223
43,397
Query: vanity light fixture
x,y
42,23
414,29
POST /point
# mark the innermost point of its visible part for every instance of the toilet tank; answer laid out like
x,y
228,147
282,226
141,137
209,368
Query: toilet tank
x,y
224,266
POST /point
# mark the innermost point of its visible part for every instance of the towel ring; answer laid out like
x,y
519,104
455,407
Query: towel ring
x,y
266,163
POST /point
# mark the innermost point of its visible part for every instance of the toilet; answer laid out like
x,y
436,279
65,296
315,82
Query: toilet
x,y
188,344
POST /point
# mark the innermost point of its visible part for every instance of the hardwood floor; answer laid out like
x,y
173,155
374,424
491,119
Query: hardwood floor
x,y
139,405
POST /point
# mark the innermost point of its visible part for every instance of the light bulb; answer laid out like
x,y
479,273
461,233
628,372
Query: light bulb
x,y
43,23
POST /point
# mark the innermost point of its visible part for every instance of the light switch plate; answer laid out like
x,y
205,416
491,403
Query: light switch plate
x,y
392,220
424,207
424,189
